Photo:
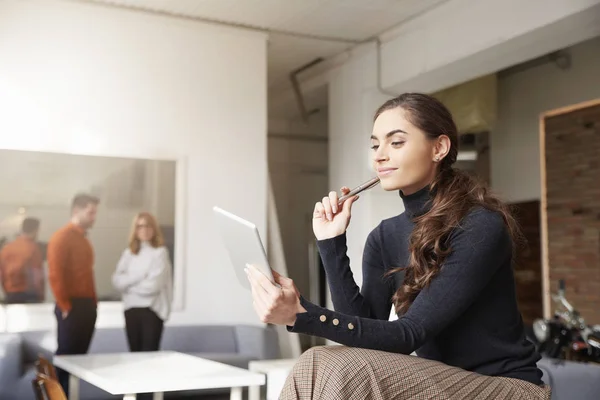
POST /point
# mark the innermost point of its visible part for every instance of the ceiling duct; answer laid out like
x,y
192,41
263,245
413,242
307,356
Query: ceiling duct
x,y
304,113
473,104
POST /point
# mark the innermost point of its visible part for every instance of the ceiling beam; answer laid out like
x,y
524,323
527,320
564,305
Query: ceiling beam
x,y
211,21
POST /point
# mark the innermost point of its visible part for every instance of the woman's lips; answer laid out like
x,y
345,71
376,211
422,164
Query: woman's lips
x,y
385,171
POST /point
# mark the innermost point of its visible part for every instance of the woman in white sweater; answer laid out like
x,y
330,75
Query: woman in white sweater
x,y
144,278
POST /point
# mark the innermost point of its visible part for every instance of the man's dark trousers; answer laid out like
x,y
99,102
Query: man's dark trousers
x,y
74,332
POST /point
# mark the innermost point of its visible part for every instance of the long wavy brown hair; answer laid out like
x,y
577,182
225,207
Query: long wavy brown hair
x,y
453,194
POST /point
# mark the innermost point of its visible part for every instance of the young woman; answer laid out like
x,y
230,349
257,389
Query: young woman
x,y
445,264
144,278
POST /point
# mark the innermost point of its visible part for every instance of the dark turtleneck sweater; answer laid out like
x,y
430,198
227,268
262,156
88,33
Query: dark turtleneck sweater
x,y
467,317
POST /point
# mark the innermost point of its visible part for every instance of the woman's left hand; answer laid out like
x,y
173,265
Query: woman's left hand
x,y
274,305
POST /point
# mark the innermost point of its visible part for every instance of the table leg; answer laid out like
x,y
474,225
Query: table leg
x,y
157,396
254,393
130,396
73,387
236,393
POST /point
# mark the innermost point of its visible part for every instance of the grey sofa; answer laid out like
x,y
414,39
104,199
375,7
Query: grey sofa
x,y
233,345
571,380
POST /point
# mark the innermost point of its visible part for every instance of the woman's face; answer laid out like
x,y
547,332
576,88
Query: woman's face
x,y
403,156
144,230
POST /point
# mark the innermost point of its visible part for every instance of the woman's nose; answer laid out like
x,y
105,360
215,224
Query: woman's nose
x,y
381,154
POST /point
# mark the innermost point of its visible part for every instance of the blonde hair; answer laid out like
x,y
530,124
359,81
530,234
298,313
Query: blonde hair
x,y
157,238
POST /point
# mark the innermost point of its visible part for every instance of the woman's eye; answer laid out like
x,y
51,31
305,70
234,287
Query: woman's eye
x,y
374,147
397,143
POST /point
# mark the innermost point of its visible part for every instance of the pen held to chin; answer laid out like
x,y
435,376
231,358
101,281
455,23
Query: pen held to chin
x,y
361,188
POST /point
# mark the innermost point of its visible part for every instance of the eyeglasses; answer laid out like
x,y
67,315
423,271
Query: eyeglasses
x,y
140,226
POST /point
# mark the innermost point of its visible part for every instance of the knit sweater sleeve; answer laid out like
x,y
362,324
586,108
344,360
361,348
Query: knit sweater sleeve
x,y
58,258
123,278
373,300
157,277
479,247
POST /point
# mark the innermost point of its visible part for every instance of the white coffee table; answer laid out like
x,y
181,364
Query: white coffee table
x,y
153,372
277,372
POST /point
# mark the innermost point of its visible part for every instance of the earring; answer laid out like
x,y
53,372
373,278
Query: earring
x,y
437,159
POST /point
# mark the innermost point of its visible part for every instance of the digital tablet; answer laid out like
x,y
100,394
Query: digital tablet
x,y
243,243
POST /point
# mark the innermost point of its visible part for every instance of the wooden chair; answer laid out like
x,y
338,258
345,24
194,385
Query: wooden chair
x,y
36,383
45,367
51,389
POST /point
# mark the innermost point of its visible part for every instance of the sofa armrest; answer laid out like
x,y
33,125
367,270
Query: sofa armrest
x,y
259,342
11,361
571,380
37,344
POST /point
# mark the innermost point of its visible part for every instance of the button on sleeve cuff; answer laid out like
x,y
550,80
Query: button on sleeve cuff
x,y
319,321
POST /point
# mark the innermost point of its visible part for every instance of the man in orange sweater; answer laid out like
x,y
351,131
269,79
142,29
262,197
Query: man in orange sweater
x,y
21,270
71,277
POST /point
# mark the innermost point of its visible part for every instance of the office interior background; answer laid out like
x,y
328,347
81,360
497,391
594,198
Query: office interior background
x,y
261,107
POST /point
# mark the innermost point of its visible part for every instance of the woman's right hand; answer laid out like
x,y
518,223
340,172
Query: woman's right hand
x,y
329,220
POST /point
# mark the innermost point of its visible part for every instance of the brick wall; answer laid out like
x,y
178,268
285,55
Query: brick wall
x,y
528,263
573,204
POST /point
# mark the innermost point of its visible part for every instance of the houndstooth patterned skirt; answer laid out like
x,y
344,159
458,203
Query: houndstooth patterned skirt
x,y
346,373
